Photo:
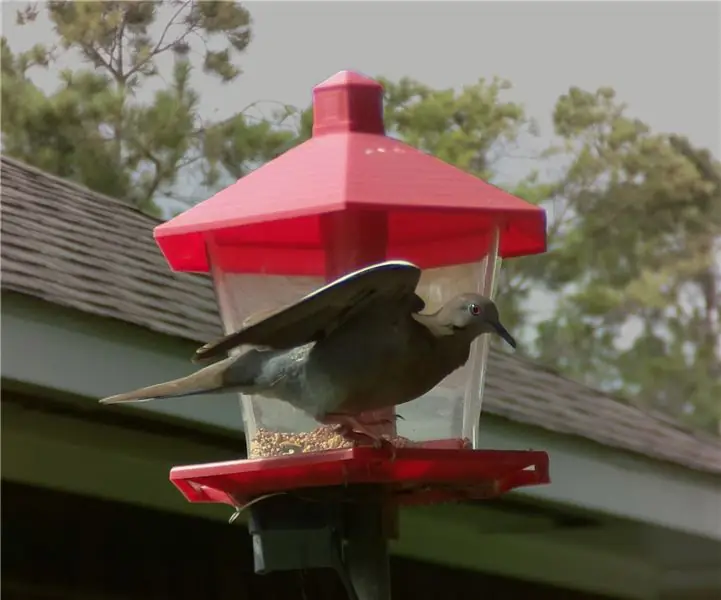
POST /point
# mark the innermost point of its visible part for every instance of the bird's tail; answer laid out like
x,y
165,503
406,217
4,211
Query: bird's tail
x,y
205,381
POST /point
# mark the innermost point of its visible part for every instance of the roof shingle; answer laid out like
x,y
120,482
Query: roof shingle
x,y
70,246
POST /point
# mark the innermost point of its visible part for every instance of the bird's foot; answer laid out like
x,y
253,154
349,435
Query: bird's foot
x,y
365,438
359,432
382,421
389,446
357,437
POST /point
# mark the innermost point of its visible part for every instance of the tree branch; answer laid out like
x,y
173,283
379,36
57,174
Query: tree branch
x,y
119,42
157,178
159,47
93,54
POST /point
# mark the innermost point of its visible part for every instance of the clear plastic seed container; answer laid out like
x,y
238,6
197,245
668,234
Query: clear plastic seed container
x,y
447,416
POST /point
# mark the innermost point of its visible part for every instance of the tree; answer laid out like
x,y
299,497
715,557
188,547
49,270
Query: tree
x,y
97,130
635,262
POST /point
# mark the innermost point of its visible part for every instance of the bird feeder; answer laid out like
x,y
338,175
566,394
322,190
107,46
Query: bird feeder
x,y
347,198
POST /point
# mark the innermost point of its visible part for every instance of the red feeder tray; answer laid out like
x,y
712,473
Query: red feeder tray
x,y
414,476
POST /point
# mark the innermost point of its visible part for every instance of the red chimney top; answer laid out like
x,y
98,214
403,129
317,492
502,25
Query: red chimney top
x,y
348,102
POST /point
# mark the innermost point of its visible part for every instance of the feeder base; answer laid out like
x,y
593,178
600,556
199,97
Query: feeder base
x,y
290,534
414,476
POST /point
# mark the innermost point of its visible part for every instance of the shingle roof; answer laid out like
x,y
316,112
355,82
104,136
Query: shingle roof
x,y
73,247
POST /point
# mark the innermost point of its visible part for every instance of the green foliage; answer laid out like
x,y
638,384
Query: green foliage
x,y
95,129
635,250
466,128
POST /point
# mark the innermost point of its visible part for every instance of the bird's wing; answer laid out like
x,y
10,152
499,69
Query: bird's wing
x,y
313,315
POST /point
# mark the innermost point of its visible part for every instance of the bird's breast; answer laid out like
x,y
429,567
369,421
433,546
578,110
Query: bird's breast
x,y
382,363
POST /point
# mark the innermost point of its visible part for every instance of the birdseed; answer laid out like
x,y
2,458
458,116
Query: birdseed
x,y
268,443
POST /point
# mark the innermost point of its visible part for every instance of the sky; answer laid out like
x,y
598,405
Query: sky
x,y
662,58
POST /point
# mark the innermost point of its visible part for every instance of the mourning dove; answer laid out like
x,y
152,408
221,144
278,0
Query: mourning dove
x,y
359,344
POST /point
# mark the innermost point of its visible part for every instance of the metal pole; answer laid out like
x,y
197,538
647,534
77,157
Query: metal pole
x,y
366,549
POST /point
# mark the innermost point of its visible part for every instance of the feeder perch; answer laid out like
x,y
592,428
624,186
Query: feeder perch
x,y
347,198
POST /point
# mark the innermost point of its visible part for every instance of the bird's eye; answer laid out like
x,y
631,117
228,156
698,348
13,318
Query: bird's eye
x,y
474,309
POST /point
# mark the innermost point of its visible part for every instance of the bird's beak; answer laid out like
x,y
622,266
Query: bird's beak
x,y
503,332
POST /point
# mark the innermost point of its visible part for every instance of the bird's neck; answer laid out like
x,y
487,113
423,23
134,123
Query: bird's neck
x,y
452,352
433,325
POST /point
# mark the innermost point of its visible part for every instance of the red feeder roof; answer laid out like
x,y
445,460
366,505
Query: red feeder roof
x,y
434,214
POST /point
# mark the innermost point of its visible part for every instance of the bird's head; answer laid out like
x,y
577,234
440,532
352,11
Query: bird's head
x,y
474,315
